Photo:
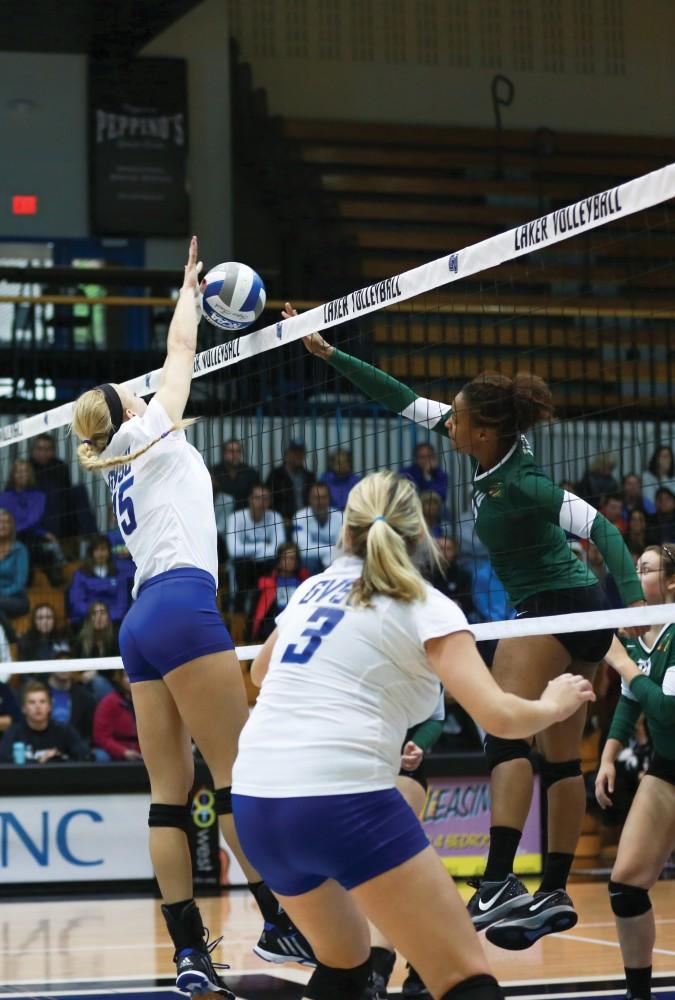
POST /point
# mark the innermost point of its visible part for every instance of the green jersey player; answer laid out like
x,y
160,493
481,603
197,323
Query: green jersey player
x,y
522,518
647,669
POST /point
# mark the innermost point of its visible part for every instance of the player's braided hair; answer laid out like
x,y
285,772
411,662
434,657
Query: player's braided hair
x,y
384,526
93,424
510,405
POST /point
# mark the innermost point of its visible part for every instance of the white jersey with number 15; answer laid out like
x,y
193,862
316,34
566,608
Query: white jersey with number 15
x,y
163,500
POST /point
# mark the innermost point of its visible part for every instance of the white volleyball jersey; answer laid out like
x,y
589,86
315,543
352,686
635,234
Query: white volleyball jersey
x,y
163,500
343,687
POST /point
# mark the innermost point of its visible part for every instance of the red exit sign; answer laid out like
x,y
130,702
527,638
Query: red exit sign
x,y
24,204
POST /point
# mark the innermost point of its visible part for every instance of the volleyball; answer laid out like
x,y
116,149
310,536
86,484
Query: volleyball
x,y
233,296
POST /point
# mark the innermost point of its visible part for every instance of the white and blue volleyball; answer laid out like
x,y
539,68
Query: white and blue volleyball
x,y
233,296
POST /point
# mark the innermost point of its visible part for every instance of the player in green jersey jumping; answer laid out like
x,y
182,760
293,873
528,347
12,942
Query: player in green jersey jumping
x,y
522,518
647,669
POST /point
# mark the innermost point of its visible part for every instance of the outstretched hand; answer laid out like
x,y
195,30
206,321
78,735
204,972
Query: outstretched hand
x,y
193,266
566,693
314,343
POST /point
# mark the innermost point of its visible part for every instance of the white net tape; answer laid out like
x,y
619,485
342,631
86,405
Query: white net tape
x,y
589,213
586,621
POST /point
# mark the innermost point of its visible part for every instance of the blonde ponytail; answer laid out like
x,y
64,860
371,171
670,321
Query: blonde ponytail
x,y
384,525
92,423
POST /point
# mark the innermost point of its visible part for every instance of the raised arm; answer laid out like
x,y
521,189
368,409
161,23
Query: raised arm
x,y
181,342
464,675
383,388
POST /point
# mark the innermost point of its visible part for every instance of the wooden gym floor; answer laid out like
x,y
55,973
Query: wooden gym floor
x,y
103,947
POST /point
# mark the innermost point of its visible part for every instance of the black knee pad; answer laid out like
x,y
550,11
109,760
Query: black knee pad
x,y
223,801
497,750
338,984
552,771
628,900
475,988
165,815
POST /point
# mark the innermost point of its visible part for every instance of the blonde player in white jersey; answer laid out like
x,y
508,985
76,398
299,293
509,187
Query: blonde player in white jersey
x,y
185,677
355,661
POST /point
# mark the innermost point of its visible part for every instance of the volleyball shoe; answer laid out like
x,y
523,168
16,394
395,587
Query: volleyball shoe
x,y
547,912
493,901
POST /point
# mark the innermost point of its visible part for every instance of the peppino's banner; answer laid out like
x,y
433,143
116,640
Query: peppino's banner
x,y
138,144
456,819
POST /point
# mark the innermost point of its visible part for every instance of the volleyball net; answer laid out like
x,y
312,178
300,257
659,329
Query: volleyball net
x,y
582,295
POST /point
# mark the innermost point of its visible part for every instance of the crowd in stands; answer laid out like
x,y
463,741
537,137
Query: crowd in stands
x,y
273,534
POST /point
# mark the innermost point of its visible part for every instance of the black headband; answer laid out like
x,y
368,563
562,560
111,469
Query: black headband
x,y
114,406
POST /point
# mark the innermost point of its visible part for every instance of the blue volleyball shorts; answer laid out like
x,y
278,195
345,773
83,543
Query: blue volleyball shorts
x,y
298,843
173,620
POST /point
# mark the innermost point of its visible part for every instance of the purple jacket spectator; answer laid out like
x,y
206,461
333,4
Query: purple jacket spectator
x,y
426,473
27,507
339,477
339,487
99,579
25,503
110,590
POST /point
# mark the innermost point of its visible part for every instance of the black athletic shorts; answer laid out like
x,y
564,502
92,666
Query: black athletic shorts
x,y
588,646
663,768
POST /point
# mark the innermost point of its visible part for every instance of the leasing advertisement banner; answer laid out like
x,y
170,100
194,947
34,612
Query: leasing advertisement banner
x,y
456,819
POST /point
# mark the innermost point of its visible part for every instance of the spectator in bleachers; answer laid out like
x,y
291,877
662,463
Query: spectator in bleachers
x,y
432,509
72,703
633,497
450,578
340,477
612,509
14,568
659,472
426,473
276,590
233,476
661,527
636,533
289,483
27,505
316,529
224,506
52,477
470,545
43,739
9,707
253,537
68,510
98,635
43,640
99,579
114,722
489,597
598,480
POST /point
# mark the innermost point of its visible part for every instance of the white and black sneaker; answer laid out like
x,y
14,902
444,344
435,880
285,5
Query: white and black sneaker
x,y
277,945
547,912
196,974
492,901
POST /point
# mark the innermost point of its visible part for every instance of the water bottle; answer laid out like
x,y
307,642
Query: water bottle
x,y
19,752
